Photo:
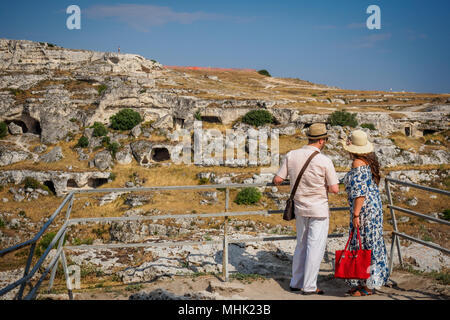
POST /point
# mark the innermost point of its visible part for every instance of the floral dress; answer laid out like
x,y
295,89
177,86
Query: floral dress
x,y
358,183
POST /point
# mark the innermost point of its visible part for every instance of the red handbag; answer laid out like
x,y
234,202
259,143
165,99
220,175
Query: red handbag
x,y
353,264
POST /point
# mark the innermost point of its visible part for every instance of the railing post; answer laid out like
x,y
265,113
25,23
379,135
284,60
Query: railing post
x,y
225,238
394,222
27,269
66,273
60,244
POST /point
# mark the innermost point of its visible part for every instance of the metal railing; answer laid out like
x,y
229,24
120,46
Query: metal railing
x,y
59,237
28,275
396,234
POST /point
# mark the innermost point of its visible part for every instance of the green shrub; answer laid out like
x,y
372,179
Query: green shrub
x,y
106,141
34,184
249,195
264,72
2,223
99,129
203,181
101,88
198,115
113,148
370,126
125,119
257,117
31,183
447,214
83,142
45,242
3,130
343,118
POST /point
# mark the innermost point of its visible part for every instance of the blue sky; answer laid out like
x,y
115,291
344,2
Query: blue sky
x,y
323,41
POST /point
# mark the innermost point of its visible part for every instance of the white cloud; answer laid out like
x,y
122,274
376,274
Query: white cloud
x,y
143,17
372,40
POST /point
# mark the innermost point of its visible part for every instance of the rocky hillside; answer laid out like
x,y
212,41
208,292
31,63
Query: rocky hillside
x,y
53,100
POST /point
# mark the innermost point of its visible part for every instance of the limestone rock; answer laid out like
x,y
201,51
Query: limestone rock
x,y
53,156
14,129
141,151
9,155
136,131
124,156
103,160
55,127
164,123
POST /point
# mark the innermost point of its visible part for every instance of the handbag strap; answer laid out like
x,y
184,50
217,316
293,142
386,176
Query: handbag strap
x,y
294,189
351,236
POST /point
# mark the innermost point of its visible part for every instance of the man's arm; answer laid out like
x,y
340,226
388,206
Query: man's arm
x,y
333,189
331,178
282,173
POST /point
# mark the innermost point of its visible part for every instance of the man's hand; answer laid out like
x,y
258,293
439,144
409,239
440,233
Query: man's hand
x,y
277,180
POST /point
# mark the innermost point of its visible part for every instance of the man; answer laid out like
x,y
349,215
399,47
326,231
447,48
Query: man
x,y
311,207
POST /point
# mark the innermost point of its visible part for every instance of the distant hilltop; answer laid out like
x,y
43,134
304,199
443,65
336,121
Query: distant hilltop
x,y
209,68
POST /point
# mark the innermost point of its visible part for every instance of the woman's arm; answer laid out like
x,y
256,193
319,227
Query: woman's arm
x,y
357,205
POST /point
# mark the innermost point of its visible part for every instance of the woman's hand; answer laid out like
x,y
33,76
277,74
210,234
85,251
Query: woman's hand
x,y
356,223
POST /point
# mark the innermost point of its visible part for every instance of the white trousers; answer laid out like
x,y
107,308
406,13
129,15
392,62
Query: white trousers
x,y
312,236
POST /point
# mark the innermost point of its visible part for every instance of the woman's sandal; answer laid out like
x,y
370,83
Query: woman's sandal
x,y
353,290
362,293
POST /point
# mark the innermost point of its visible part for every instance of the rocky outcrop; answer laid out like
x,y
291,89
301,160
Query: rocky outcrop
x,y
57,179
53,156
10,155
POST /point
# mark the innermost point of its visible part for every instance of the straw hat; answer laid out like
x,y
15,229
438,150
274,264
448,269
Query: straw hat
x,y
317,131
359,144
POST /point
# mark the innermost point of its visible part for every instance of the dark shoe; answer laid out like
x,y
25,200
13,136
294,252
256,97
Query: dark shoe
x,y
294,289
313,292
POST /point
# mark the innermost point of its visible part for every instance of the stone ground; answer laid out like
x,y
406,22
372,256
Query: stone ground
x,y
404,286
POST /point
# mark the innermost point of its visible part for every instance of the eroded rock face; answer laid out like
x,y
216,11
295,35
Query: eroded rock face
x,y
103,160
59,179
55,127
142,151
10,155
53,156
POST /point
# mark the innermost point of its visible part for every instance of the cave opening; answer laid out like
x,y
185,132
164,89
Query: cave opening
x,y
429,132
71,183
407,131
97,182
160,154
50,185
211,119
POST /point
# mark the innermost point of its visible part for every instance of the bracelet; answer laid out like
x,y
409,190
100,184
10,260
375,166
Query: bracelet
x,y
356,216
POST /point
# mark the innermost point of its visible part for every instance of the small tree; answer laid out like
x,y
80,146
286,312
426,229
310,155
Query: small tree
x,y
3,130
343,118
83,142
99,129
257,117
264,72
125,119
249,195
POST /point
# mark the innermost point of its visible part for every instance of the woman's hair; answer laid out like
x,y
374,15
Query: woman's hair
x,y
372,160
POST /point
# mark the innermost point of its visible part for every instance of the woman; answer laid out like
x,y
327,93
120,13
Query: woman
x,y
366,211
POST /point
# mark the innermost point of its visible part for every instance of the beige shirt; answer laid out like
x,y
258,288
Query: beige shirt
x,y
311,198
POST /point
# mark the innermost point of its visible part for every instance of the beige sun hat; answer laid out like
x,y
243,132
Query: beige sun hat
x,y
317,131
358,144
